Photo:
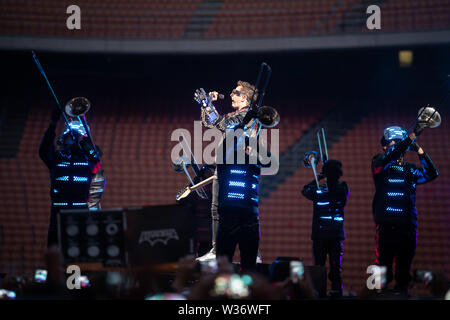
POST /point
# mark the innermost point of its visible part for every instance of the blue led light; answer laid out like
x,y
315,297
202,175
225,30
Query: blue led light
x,y
396,180
327,217
80,164
60,204
63,164
80,179
395,194
338,219
63,178
79,203
234,171
255,176
319,191
235,195
253,186
76,126
255,199
322,203
394,209
55,191
397,168
236,184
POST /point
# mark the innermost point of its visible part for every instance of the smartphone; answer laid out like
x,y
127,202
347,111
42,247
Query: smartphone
x,y
383,272
40,275
232,286
424,276
209,266
296,270
84,281
7,294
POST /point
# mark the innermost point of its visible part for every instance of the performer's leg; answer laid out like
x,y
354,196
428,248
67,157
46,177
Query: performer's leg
x,y
249,242
214,211
386,249
319,252
336,248
405,256
52,236
211,255
227,235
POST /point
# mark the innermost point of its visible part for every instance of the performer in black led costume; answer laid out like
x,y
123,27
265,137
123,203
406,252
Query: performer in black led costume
x,y
394,203
328,232
77,180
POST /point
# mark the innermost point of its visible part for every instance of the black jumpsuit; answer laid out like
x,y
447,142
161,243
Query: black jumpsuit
x,y
328,232
394,209
71,180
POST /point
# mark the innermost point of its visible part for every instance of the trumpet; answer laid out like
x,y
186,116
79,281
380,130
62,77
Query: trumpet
x,y
312,159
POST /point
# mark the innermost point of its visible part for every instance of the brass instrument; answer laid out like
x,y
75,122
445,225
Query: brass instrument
x,y
312,159
77,108
429,117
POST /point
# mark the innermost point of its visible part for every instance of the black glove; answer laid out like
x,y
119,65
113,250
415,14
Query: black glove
x,y
88,148
414,147
420,125
252,113
56,114
320,176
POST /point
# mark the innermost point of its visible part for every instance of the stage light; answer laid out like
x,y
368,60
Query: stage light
x,y
405,58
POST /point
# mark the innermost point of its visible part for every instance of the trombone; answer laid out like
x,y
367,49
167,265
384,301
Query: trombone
x,y
428,116
77,108
312,159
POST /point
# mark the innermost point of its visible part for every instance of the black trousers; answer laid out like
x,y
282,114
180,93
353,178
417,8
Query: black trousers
x,y
238,227
52,235
396,243
333,248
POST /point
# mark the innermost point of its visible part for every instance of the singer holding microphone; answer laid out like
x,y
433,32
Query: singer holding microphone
x,y
240,102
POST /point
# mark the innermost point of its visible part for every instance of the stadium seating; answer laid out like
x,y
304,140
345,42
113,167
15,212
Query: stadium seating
x,y
169,19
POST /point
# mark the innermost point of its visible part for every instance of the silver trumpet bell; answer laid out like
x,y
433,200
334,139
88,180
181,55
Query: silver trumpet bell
x,y
78,106
268,117
429,116
311,159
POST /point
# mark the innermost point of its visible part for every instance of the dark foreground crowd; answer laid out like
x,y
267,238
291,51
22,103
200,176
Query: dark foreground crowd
x,y
191,281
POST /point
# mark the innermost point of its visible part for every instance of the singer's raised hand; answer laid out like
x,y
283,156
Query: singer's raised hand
x,y
214,95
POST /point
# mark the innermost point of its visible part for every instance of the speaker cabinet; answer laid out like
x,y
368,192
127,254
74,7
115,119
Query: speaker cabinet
x,y
93,236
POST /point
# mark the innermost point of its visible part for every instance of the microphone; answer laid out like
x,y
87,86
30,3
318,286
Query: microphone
x,y
219,95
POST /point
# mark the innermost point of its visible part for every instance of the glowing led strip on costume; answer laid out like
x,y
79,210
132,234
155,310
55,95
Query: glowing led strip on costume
x,y
394,209
236,184
396,180
395,194
235,195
